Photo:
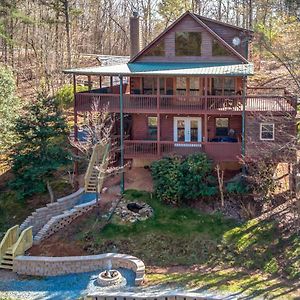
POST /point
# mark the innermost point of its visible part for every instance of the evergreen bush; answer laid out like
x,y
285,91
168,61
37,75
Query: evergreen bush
x,y
178,179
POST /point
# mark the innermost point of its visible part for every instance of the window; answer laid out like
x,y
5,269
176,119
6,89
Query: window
x,y
218,49
149,85
267,132
217,86
229,86
223,86
152,128
180,85
188,43
194,86
157,50
222,126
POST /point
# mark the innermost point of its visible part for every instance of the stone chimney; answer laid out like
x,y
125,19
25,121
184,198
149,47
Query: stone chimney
x,y
135,34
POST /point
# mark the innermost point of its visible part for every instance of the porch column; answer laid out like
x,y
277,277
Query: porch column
x,y
76,184
205,128
89,83
121,135
205,92
205,108
100,82
243,120
158,114
112,82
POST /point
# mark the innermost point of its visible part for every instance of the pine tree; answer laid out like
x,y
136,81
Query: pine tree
x,y
41,150
10,106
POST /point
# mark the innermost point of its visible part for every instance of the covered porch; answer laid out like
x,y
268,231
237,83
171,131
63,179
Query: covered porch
x,y
159,135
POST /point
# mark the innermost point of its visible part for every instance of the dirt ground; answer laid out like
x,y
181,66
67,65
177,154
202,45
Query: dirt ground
x,y
60,244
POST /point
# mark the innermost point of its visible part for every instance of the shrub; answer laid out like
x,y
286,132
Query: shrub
x,y
166,177
178,179
238,187
65,95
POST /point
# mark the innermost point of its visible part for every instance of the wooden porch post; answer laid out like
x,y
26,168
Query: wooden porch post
x,y
122,188
206,128
100,82
89,83
112,82
158,115
76,183
205,91
244,123
206,108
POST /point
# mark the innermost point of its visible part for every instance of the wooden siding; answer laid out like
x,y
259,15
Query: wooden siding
x,y
140,126
285,133
227,34
190,25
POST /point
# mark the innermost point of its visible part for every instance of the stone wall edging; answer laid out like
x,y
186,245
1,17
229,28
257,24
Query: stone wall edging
x,y
52,266
58,222
42,215
148,296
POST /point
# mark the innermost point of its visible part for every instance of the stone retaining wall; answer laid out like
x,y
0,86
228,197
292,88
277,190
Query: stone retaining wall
x,y
42,215
152,296
60,221
51,266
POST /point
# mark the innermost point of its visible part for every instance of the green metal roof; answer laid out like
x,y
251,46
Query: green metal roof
x,y
168,69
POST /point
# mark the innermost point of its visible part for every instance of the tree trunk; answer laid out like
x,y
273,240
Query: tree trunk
x,y
51,194
67,21
220,174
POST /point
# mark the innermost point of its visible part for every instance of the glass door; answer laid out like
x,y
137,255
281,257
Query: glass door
x,y
187,130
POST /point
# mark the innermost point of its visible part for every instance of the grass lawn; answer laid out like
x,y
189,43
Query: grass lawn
x,y
233,257
174,236
243,285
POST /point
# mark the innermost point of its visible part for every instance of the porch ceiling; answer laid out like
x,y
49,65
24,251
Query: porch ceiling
x,y
167,69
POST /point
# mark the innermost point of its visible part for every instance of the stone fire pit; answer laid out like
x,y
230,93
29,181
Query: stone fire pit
x,y
109,278
133,211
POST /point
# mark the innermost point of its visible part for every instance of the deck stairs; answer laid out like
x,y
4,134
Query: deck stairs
x,y
94,176
14,243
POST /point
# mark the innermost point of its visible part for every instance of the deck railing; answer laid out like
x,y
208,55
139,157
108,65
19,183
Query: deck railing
x,y
218,151
9,239
184,104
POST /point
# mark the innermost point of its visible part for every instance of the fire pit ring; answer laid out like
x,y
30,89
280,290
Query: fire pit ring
x,y
109,278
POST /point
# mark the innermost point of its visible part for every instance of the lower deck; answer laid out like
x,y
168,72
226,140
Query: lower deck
x,y
154,136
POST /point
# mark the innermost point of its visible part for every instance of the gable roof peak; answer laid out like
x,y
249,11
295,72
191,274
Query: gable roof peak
x,y
201,23
203,18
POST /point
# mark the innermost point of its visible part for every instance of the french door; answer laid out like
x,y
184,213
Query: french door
x,y
187,129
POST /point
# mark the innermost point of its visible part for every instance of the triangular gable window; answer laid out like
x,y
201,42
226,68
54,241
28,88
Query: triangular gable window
x,y
219,50
157,50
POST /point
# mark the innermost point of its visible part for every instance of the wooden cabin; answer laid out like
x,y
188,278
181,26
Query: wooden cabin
x,y
187,92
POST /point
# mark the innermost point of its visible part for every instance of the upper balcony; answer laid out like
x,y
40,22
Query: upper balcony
x,y
191,104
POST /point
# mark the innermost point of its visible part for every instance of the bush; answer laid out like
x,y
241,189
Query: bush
x,y
65,95
238,187
178,179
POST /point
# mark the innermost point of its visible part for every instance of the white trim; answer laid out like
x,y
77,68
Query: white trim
x,y
260,131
